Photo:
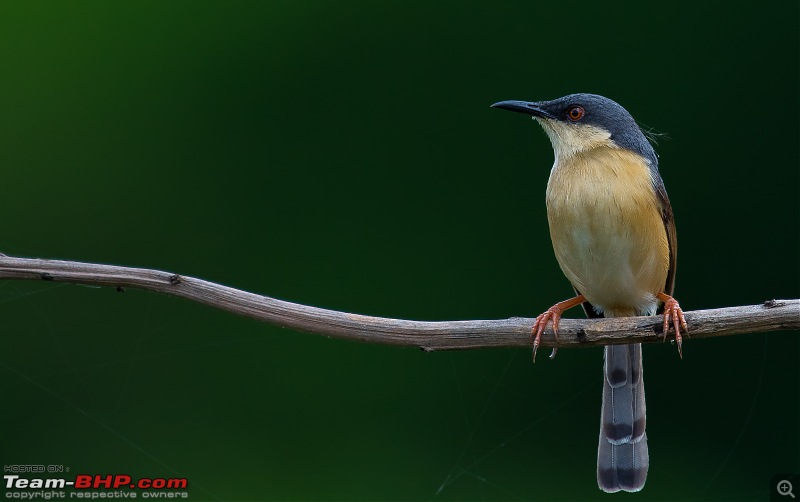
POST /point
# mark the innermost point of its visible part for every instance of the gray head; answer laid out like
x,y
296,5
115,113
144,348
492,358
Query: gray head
x,y
580,122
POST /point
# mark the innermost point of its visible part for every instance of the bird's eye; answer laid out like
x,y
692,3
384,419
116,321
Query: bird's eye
x,y
575,113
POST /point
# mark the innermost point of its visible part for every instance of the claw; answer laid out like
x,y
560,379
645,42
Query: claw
x,y
552,314
674,314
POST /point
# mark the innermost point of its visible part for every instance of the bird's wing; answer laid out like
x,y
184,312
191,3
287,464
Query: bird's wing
x,y
669,226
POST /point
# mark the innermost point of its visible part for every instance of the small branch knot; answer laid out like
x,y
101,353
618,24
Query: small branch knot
x,y
174,279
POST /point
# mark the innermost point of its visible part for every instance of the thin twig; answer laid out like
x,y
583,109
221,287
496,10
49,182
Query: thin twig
x,y
773,315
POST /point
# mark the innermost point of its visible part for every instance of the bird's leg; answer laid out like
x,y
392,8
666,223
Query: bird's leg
x,y
673,313
551,314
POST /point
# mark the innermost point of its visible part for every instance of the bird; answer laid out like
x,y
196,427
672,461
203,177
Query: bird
x,y
613,235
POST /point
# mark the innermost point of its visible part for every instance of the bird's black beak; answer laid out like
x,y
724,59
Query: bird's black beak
x,y
524,107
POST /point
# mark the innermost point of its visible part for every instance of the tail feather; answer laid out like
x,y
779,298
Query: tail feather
x,y
622,456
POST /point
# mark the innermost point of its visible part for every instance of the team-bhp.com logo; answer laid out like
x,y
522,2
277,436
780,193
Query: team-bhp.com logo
x,y
93,486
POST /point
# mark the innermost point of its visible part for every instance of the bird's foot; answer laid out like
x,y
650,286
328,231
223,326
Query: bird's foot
x,y
552,314
673,315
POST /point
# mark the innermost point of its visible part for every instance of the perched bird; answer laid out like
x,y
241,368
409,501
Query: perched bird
x,y
613,234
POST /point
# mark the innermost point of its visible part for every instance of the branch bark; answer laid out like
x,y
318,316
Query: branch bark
x,y
773,315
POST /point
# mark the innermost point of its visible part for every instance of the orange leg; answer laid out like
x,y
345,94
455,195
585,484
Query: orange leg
x,y
552,314
673,312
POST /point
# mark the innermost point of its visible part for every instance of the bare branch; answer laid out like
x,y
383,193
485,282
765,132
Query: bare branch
x,y
773,315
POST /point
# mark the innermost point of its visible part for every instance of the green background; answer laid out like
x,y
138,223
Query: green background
x,y
344,155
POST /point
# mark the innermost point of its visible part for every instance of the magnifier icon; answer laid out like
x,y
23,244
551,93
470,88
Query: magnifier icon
x,y
785,488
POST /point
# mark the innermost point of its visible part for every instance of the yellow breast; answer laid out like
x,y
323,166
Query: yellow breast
x,y
607,231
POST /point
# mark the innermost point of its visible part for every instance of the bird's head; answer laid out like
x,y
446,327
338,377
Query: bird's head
x,y
580,122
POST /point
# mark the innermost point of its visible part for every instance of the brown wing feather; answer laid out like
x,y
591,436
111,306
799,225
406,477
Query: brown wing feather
x,y
669,225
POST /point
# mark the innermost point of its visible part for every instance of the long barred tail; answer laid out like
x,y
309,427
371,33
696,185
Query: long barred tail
x,y
622,458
